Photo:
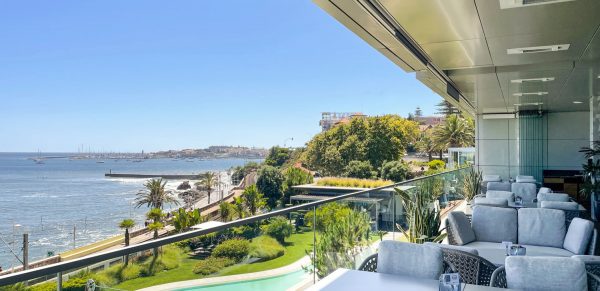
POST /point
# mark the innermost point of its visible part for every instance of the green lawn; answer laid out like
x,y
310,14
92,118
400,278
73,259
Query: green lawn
x,y
294,250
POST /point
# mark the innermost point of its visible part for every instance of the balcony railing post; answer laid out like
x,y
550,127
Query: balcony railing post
x,y
314,227
59,281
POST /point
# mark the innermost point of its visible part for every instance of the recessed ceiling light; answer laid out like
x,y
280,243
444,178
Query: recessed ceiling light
x,y
538,49
530,93
532,80
528,104
505,4
577,102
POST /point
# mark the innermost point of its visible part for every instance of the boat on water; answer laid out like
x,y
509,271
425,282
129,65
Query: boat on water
x,y
100,162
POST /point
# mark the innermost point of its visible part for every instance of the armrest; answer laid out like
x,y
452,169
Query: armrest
x,y
592,244
498,278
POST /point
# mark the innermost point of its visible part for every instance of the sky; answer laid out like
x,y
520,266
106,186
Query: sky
x,y
156,75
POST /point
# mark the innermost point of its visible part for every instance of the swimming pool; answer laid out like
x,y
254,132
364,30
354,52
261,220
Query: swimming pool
x,y
281,282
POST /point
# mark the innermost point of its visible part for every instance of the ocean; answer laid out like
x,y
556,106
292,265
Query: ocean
x,y
51,201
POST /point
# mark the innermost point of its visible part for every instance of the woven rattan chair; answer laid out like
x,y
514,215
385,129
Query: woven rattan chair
x,y
473,269
499,279
369,264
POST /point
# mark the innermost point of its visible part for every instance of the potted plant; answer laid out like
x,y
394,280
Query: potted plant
x,y
591,176
472,184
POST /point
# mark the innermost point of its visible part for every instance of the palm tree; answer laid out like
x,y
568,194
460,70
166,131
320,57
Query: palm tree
x,y
456,131
207,183
225,211
126,224
155,214
253,199
155,195
239,208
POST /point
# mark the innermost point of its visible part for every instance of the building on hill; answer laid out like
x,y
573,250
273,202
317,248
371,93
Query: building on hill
x,y
329,119
427,122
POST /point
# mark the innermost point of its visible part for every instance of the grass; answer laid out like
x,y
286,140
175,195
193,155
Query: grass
x,y
295,248
352,182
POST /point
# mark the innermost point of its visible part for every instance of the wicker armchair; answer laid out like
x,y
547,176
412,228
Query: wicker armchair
x,y
472,269
499,279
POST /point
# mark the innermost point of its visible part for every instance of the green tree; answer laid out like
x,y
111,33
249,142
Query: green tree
x,y
127,224
240,172
183,220
456,131
278,228
253,200
426,144
360,169
208,182
294,177
156,215
396,171
225,211
278,156
446,108
270,183
239,207
155,195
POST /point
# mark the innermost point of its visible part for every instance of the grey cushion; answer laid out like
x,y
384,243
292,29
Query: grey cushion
x,y
545,273
499,186
460,226
453,247
407,259
525,179
553,197
491,178
494,224
495,252
544,190
587,258
498,202
578,236
510,196
560,205
541,227
527,191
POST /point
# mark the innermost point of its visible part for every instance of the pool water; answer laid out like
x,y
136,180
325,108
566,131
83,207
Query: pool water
x,y
282,282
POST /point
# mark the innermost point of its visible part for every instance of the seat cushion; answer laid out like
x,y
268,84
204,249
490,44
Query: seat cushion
x,y
544,190
525,179
453,247
495,252
578,236
498,186
407,259
541,227
491,178
497,202
460,226
510,196
494,224
562,197
527,191
545,273
560,205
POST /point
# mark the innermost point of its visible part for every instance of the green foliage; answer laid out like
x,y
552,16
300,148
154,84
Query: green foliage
x,y
436,165
352,182
360,169
252,199
244,231
155,214
471,183
340,241
240,172
183,220
239,207
236,249
456,131
293,177
396,171
278,156
278,227
155,195
373,139
212,265
226,211
127,223
327,214
422,219
266,248
270,183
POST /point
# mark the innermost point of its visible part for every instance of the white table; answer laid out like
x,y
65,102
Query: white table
x,y
344,279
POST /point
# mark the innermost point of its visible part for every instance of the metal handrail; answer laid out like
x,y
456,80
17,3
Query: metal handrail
x,y
99,257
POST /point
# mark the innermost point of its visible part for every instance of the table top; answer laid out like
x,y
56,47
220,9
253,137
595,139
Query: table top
x,y
344,279
534,205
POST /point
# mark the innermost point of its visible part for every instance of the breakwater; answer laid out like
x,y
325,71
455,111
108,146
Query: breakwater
x,y
147,176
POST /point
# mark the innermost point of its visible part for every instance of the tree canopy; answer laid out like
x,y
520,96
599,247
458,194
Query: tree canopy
x,y
373,139
270,183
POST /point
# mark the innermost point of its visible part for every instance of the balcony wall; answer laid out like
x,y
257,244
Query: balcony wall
x,y
498,143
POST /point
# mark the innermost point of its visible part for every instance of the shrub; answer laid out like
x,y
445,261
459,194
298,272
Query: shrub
x,y
47,286
396,171
360,169
436,165
212,265
131,271
75,284
266,248
236,249
278,228
244,231
270,183
352,182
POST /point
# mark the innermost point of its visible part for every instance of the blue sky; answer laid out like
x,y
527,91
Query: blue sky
x,y
156,75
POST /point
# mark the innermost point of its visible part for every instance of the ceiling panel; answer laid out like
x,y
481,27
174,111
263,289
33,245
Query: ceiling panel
x,y
459,54
430,21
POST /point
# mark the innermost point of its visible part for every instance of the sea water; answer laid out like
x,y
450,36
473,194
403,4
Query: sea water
x,y
51,201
